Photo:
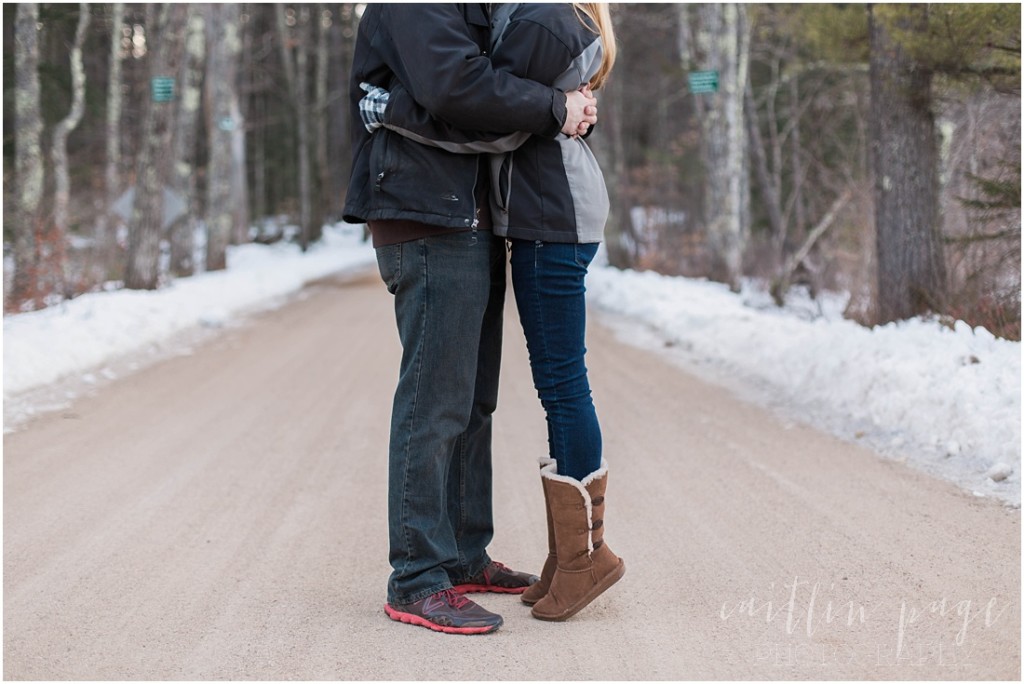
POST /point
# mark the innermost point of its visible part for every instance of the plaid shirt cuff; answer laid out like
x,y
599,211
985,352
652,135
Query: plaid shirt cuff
x,y
372,106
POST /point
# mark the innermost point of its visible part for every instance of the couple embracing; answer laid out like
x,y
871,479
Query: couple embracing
x,y
467,133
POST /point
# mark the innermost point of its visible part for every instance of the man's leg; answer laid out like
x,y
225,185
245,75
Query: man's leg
x,y
442,288
470,481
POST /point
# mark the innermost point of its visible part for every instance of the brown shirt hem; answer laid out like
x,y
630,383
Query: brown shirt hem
x,y
395,231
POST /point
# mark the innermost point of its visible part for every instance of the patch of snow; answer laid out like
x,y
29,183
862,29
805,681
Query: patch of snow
x,y
946,400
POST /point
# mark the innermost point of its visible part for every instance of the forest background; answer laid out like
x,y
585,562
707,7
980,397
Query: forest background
x,y
869,149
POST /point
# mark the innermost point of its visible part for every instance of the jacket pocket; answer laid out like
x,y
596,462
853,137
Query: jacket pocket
x,y
505,183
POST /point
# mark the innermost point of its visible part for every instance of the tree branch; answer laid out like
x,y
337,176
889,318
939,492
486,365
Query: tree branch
x,y
981,237
781,284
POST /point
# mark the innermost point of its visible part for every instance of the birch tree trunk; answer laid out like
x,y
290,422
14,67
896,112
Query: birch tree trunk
x,y
226,204
28,151
718,40
911,264
146,226
112,174
239,179
182,241
59,147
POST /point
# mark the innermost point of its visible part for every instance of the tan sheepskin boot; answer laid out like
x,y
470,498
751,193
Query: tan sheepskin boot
x,y
539,588
585,566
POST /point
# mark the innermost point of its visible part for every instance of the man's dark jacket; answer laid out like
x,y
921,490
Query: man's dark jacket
x,y
438,52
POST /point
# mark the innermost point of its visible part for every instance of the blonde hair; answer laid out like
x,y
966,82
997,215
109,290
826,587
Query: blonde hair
x,y
598,13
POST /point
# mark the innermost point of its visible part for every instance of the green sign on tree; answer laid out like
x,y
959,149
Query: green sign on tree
x,y
703,82
163,88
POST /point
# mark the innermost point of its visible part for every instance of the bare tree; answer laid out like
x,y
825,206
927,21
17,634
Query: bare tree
x,y
259,86
343,45
296,76
798,177
769,183
59,148
146,226
324,27
911,267
255,106
718,40
226,202
621,241
29,153
112,174
185,140
780,285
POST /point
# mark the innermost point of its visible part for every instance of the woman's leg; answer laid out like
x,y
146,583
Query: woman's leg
x,y
548,279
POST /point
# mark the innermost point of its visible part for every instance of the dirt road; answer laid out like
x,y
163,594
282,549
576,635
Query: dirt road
x,y
221,516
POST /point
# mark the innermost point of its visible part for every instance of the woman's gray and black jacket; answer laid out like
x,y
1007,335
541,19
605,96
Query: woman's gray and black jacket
x,y
541,188
438,52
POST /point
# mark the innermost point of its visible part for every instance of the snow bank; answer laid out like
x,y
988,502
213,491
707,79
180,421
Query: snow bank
x,y
947,399
41,347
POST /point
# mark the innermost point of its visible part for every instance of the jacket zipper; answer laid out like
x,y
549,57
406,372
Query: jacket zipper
x,y
476,218
383,164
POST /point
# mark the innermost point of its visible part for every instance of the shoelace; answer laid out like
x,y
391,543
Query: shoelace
x,y
455,599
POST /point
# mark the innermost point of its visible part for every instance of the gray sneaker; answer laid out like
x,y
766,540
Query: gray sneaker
x,y
499,579
446,611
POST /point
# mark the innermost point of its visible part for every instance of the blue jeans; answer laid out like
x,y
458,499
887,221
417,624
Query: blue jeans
x,y
548,281
449,293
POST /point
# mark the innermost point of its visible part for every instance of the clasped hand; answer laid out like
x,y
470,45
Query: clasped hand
x,y
580,111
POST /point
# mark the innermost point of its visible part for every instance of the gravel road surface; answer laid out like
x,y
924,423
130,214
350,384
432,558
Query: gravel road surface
x,y
221,515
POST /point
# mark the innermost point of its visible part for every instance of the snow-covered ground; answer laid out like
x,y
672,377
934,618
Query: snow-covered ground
x,y
84,334
945,400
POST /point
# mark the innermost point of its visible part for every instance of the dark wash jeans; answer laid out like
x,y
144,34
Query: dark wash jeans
x,y
548,281
449,293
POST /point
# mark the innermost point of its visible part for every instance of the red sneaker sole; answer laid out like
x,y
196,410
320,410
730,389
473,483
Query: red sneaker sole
x,y
410,619
489,588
